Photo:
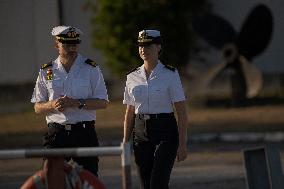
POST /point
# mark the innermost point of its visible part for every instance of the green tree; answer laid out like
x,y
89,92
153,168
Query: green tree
x,y
116,24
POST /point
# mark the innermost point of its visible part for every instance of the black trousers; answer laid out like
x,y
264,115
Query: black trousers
x,y
79,136
155,148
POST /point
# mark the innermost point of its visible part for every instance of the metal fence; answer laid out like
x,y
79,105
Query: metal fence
x,y
123,150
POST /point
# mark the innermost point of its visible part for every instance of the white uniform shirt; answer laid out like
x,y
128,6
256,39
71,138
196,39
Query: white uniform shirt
x,y
155,95
82,82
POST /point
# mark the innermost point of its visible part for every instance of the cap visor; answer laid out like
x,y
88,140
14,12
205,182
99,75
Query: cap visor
x,y
70,42
143,44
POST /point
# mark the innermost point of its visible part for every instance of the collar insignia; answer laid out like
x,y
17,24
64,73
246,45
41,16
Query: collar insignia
x,y
46,65
91,62
170,67
135,69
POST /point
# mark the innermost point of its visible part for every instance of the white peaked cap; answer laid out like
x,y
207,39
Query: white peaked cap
x,y
64,29
150,33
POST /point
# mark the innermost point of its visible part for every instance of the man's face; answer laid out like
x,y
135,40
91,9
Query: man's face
x,y
67,50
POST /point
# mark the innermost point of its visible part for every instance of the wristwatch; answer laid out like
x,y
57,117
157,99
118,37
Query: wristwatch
x,y
82,103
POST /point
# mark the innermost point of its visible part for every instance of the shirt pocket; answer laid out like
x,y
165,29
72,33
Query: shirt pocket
x,y
55,87
80,88
158,94
137,93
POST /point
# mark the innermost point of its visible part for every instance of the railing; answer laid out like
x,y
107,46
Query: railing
x,y
123,150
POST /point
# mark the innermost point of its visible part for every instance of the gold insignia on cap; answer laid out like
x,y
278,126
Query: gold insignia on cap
x,y
71,34
67,38
145,40
67,34
144,37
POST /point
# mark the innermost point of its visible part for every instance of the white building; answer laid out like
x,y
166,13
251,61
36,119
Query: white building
x,y
26,42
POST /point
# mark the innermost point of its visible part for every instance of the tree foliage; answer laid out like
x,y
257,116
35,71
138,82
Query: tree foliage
x,y
116,24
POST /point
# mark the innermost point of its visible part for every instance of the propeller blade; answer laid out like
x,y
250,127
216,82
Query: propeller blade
x,y
205,78
253,77
256,32
215,30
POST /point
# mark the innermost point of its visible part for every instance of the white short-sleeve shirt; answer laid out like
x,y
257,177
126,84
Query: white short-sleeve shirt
x,y
155,94
82,82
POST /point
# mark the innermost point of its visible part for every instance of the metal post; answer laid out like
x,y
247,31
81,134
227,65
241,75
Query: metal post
x,y
125,163
263,168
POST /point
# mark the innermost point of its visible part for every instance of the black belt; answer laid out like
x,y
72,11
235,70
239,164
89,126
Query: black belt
x,y
154,116
75,126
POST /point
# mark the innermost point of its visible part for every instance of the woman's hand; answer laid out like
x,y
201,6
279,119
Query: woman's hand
x,y
182,129
182,152
128,123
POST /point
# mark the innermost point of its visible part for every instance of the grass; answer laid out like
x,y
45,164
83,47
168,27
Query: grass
x,y
261,118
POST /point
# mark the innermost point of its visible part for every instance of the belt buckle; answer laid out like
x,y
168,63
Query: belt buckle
x,y
146,117
67,127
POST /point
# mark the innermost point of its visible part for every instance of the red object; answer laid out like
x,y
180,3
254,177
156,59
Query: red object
x,y
38,180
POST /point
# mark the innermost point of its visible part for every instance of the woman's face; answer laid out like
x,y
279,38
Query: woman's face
x,y
150,52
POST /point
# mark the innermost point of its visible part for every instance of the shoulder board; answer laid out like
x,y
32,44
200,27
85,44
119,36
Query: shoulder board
x,y
170,68
91,62
46,65
132,70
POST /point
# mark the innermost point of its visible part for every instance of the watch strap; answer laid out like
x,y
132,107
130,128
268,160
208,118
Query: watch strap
x,y
82,103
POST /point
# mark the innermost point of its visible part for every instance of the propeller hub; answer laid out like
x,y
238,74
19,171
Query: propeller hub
x,y
230,52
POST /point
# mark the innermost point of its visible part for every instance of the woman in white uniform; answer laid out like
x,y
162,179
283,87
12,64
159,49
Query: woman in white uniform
x,y
152,92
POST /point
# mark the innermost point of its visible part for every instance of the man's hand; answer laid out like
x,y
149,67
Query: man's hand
x,y
64,102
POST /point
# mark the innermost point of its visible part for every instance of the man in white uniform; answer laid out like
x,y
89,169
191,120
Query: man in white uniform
x,y
68,91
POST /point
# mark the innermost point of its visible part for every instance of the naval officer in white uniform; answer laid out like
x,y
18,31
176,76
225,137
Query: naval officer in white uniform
x,y
152,92
68,91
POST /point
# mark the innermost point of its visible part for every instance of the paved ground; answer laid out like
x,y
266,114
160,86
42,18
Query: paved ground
x,y
212,176
213,168
214,163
